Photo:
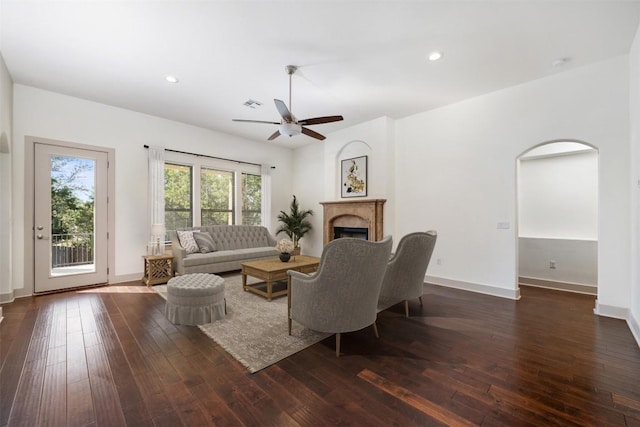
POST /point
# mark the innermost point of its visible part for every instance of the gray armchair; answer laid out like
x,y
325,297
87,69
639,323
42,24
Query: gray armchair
x,y
342,295
404,277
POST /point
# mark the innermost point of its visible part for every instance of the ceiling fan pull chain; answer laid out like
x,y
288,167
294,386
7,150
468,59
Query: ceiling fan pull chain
x,y
290,75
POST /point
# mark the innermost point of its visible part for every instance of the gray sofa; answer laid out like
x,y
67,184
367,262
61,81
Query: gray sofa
x,y
233,245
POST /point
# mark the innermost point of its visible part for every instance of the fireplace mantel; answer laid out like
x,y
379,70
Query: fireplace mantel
x,y
365,213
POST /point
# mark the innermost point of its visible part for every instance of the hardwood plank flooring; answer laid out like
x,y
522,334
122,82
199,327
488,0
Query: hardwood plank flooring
x,y
108,357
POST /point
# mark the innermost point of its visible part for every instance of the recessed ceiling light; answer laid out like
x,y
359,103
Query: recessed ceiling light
x,y
171,79
434,56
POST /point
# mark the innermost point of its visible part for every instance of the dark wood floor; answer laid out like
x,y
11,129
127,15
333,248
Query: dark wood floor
x,y
108,357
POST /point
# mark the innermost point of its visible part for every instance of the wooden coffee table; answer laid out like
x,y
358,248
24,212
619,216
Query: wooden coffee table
x,y
273,270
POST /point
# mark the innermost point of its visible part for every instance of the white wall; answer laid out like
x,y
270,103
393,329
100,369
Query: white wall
x,y
558,196
308,173
634,161
575,262
6,114
456,172
49,115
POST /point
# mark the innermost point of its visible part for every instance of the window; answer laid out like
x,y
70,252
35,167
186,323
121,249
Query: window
x,y
178,196
216,197
251,199
225,192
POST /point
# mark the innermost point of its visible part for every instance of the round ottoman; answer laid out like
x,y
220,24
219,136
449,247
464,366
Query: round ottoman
x,y
195,299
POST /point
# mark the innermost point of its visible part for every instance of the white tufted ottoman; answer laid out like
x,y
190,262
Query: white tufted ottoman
x,y
195,299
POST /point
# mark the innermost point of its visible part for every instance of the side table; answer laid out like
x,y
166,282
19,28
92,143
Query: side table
x,y
157,269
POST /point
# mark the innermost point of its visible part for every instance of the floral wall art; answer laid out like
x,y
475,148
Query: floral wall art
x,y
354,177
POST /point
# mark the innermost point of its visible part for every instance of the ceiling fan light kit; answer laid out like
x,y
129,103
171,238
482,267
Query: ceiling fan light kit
x,y
290,129
289,125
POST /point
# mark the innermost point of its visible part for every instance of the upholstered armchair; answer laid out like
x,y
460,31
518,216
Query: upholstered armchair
x,y
404,277
342,295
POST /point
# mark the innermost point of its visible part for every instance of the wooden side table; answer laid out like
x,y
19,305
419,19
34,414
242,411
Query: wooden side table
x,y
157,269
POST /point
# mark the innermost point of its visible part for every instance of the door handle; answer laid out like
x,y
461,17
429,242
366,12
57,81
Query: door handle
x,y
39,227
41,237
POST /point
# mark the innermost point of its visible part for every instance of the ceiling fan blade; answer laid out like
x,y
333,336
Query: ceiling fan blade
x,y
255,121
313,134
274,136
320,120
283,110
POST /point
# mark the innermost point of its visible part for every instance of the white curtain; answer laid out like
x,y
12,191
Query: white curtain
x,y
156,186
265,209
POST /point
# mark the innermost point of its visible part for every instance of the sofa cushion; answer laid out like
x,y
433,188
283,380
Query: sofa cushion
x,y
262,252
231,237
204,241
226,256
187,241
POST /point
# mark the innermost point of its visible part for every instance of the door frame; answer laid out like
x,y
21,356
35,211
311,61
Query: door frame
x,y
29,194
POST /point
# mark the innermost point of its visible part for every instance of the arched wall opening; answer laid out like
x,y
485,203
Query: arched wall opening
x,y
557,235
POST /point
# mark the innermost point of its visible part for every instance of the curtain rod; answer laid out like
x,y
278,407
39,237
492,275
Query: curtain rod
x,y
211,157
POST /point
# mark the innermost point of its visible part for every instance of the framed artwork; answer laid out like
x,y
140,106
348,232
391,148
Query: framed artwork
x,y
354,177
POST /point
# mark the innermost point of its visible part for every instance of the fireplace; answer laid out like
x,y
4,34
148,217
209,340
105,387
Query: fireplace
x,y
362,218
357,232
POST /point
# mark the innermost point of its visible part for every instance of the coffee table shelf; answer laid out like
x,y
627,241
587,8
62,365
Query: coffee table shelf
x,y
273,270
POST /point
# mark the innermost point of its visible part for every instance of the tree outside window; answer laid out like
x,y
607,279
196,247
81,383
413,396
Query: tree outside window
x,y
178,212
72,210
251,199
216,197
221,199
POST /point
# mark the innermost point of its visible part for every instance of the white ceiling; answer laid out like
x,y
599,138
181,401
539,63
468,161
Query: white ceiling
x,y
361,59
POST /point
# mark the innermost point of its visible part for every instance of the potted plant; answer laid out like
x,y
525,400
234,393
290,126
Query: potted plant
x,y
285,247
295,223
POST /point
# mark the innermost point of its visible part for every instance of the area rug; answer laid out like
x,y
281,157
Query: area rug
x,y
255,331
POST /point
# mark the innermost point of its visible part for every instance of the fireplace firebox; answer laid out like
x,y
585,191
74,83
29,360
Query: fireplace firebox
x,y
357,232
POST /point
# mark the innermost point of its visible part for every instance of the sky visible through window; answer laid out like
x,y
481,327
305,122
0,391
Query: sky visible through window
x,y
75,173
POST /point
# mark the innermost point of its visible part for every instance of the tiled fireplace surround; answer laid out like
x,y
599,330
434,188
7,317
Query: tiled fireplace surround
x,y
360,213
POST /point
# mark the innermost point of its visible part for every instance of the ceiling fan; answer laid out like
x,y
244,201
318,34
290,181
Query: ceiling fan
x,y
289,125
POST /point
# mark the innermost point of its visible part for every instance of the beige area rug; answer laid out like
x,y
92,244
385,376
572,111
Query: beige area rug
x,y
255,330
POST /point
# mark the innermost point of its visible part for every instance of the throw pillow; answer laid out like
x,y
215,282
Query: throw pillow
x,y
187,241
204,241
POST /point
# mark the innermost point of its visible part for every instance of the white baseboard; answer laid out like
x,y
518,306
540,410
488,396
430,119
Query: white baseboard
x,y
611,311
560,286
474,287
21,293
634,325
8,297
135,277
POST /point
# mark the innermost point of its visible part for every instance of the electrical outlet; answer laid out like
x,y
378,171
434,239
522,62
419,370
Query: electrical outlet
x,y
552,264
439,261
503,225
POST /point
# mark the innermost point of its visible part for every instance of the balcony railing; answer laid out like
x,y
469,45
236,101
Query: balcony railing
x,y
71,249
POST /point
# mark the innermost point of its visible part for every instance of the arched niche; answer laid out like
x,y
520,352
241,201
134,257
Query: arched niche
x,y
349,150
557,204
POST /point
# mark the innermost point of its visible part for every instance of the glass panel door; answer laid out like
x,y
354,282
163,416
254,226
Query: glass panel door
x,y
70,217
